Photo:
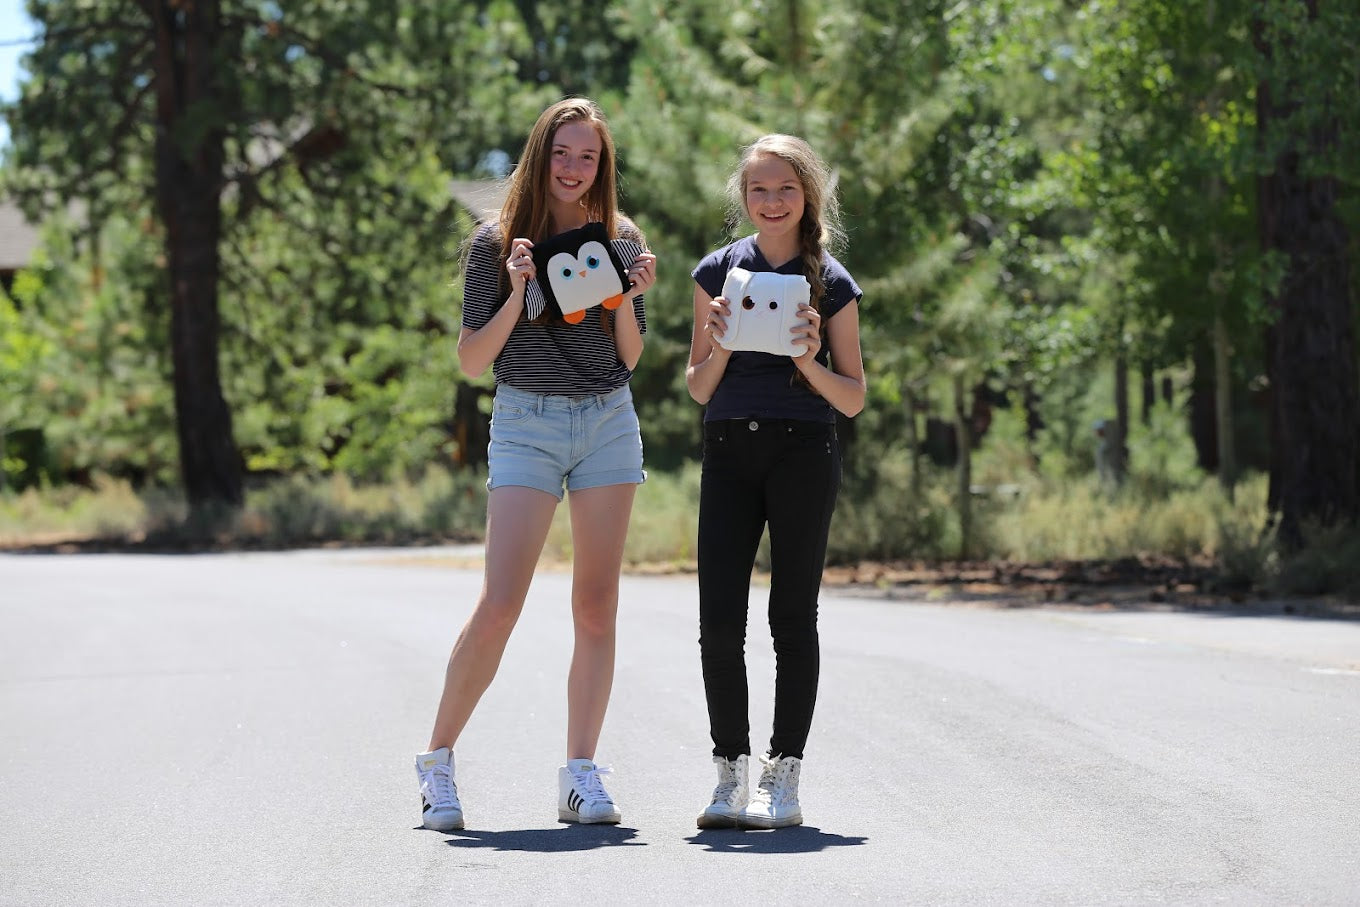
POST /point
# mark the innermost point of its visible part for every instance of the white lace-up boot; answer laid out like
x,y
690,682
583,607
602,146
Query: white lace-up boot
x,y
730,796
581,796
439,806
775,801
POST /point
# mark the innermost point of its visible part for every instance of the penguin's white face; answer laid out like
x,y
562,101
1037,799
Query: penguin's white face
x,y
583,280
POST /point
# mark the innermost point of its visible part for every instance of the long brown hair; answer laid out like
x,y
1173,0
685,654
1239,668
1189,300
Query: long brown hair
x,y
525,211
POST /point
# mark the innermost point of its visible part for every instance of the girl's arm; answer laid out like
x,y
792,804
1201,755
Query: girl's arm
x,y
707,360
478,348
627,331
843,385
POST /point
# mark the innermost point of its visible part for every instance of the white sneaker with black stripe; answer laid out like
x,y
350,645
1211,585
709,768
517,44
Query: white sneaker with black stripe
x,y
439,806
581,796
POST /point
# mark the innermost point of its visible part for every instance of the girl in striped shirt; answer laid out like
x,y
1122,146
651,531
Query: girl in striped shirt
x,y
563,417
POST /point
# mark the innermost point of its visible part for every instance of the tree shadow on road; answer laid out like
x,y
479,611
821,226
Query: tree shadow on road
x,y
796,839
548,840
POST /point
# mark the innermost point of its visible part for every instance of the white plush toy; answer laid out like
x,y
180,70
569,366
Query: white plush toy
x,y
764,310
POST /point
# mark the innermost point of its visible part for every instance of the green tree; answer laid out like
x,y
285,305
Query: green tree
x,y
219,115
1310,143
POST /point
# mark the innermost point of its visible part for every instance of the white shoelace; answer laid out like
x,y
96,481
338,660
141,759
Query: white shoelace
x,y
775,780
439,787
727,783
590,787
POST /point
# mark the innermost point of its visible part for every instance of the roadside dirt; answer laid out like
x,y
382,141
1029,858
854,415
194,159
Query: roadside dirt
x,y
1120,584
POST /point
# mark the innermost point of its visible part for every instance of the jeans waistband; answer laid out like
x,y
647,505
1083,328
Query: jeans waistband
x,y
758,423
722,428
540,402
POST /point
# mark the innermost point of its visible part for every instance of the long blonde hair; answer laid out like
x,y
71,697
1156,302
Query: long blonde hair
x,y
820,229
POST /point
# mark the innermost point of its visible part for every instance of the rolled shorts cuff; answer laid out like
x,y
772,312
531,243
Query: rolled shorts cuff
x,y
625,476
524,481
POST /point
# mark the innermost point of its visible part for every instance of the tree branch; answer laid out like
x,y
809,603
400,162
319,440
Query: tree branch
x,y
315,47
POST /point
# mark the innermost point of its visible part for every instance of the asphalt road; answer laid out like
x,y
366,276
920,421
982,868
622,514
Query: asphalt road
x,y
239,729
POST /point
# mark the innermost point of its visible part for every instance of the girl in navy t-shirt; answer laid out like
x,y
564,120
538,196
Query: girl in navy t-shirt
x,y
771,457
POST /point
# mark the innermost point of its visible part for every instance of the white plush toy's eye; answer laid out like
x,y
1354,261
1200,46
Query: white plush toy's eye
x,y
566,273
774,304
592,262
748,303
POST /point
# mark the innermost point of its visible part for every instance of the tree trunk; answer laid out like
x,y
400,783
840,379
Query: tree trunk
x,y
1119,443
913,438
1315,400
1148,386
1227,458
1034,423
471,428
1200,406
189,160
963,434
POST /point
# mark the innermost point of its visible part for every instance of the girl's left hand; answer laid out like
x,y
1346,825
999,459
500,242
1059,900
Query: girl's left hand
x,y
809,335
642,274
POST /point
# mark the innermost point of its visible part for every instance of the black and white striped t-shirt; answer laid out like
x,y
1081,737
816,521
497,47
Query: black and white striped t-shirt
x,y
547,358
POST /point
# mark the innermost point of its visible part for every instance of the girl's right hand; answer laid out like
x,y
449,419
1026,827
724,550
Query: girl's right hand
x,y
716,324
520,264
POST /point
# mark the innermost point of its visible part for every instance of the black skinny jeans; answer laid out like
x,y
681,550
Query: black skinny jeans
x,y
785,473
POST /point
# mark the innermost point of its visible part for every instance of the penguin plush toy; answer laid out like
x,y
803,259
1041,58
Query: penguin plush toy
x,y
578,270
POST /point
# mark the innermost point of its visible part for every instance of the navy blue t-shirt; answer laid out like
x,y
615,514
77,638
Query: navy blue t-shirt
x,y
761,385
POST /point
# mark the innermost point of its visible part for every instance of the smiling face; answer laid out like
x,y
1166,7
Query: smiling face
x,y
574,161
773,196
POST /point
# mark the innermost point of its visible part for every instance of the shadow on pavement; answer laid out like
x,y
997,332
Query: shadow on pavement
x,y
548,840
796,839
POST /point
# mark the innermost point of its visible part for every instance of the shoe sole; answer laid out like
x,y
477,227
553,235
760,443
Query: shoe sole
x,y
567,815
717,820
750,822
453,826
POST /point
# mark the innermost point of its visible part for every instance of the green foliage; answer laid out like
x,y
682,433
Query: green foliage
x,y
1030,189
88,369
297,511
879,515
1327,563
439,505
110,509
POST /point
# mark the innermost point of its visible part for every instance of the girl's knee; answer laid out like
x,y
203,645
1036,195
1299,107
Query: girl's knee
x,y
595,615
722,638
493,620
794,630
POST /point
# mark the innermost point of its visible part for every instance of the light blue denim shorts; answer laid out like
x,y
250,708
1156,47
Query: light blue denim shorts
x,y
544,441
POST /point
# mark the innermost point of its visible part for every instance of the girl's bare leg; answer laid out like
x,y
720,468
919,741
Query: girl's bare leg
x,y
599,525
517,522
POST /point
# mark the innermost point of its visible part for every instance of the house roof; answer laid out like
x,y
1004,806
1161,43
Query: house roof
x,y
482,198
18,237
